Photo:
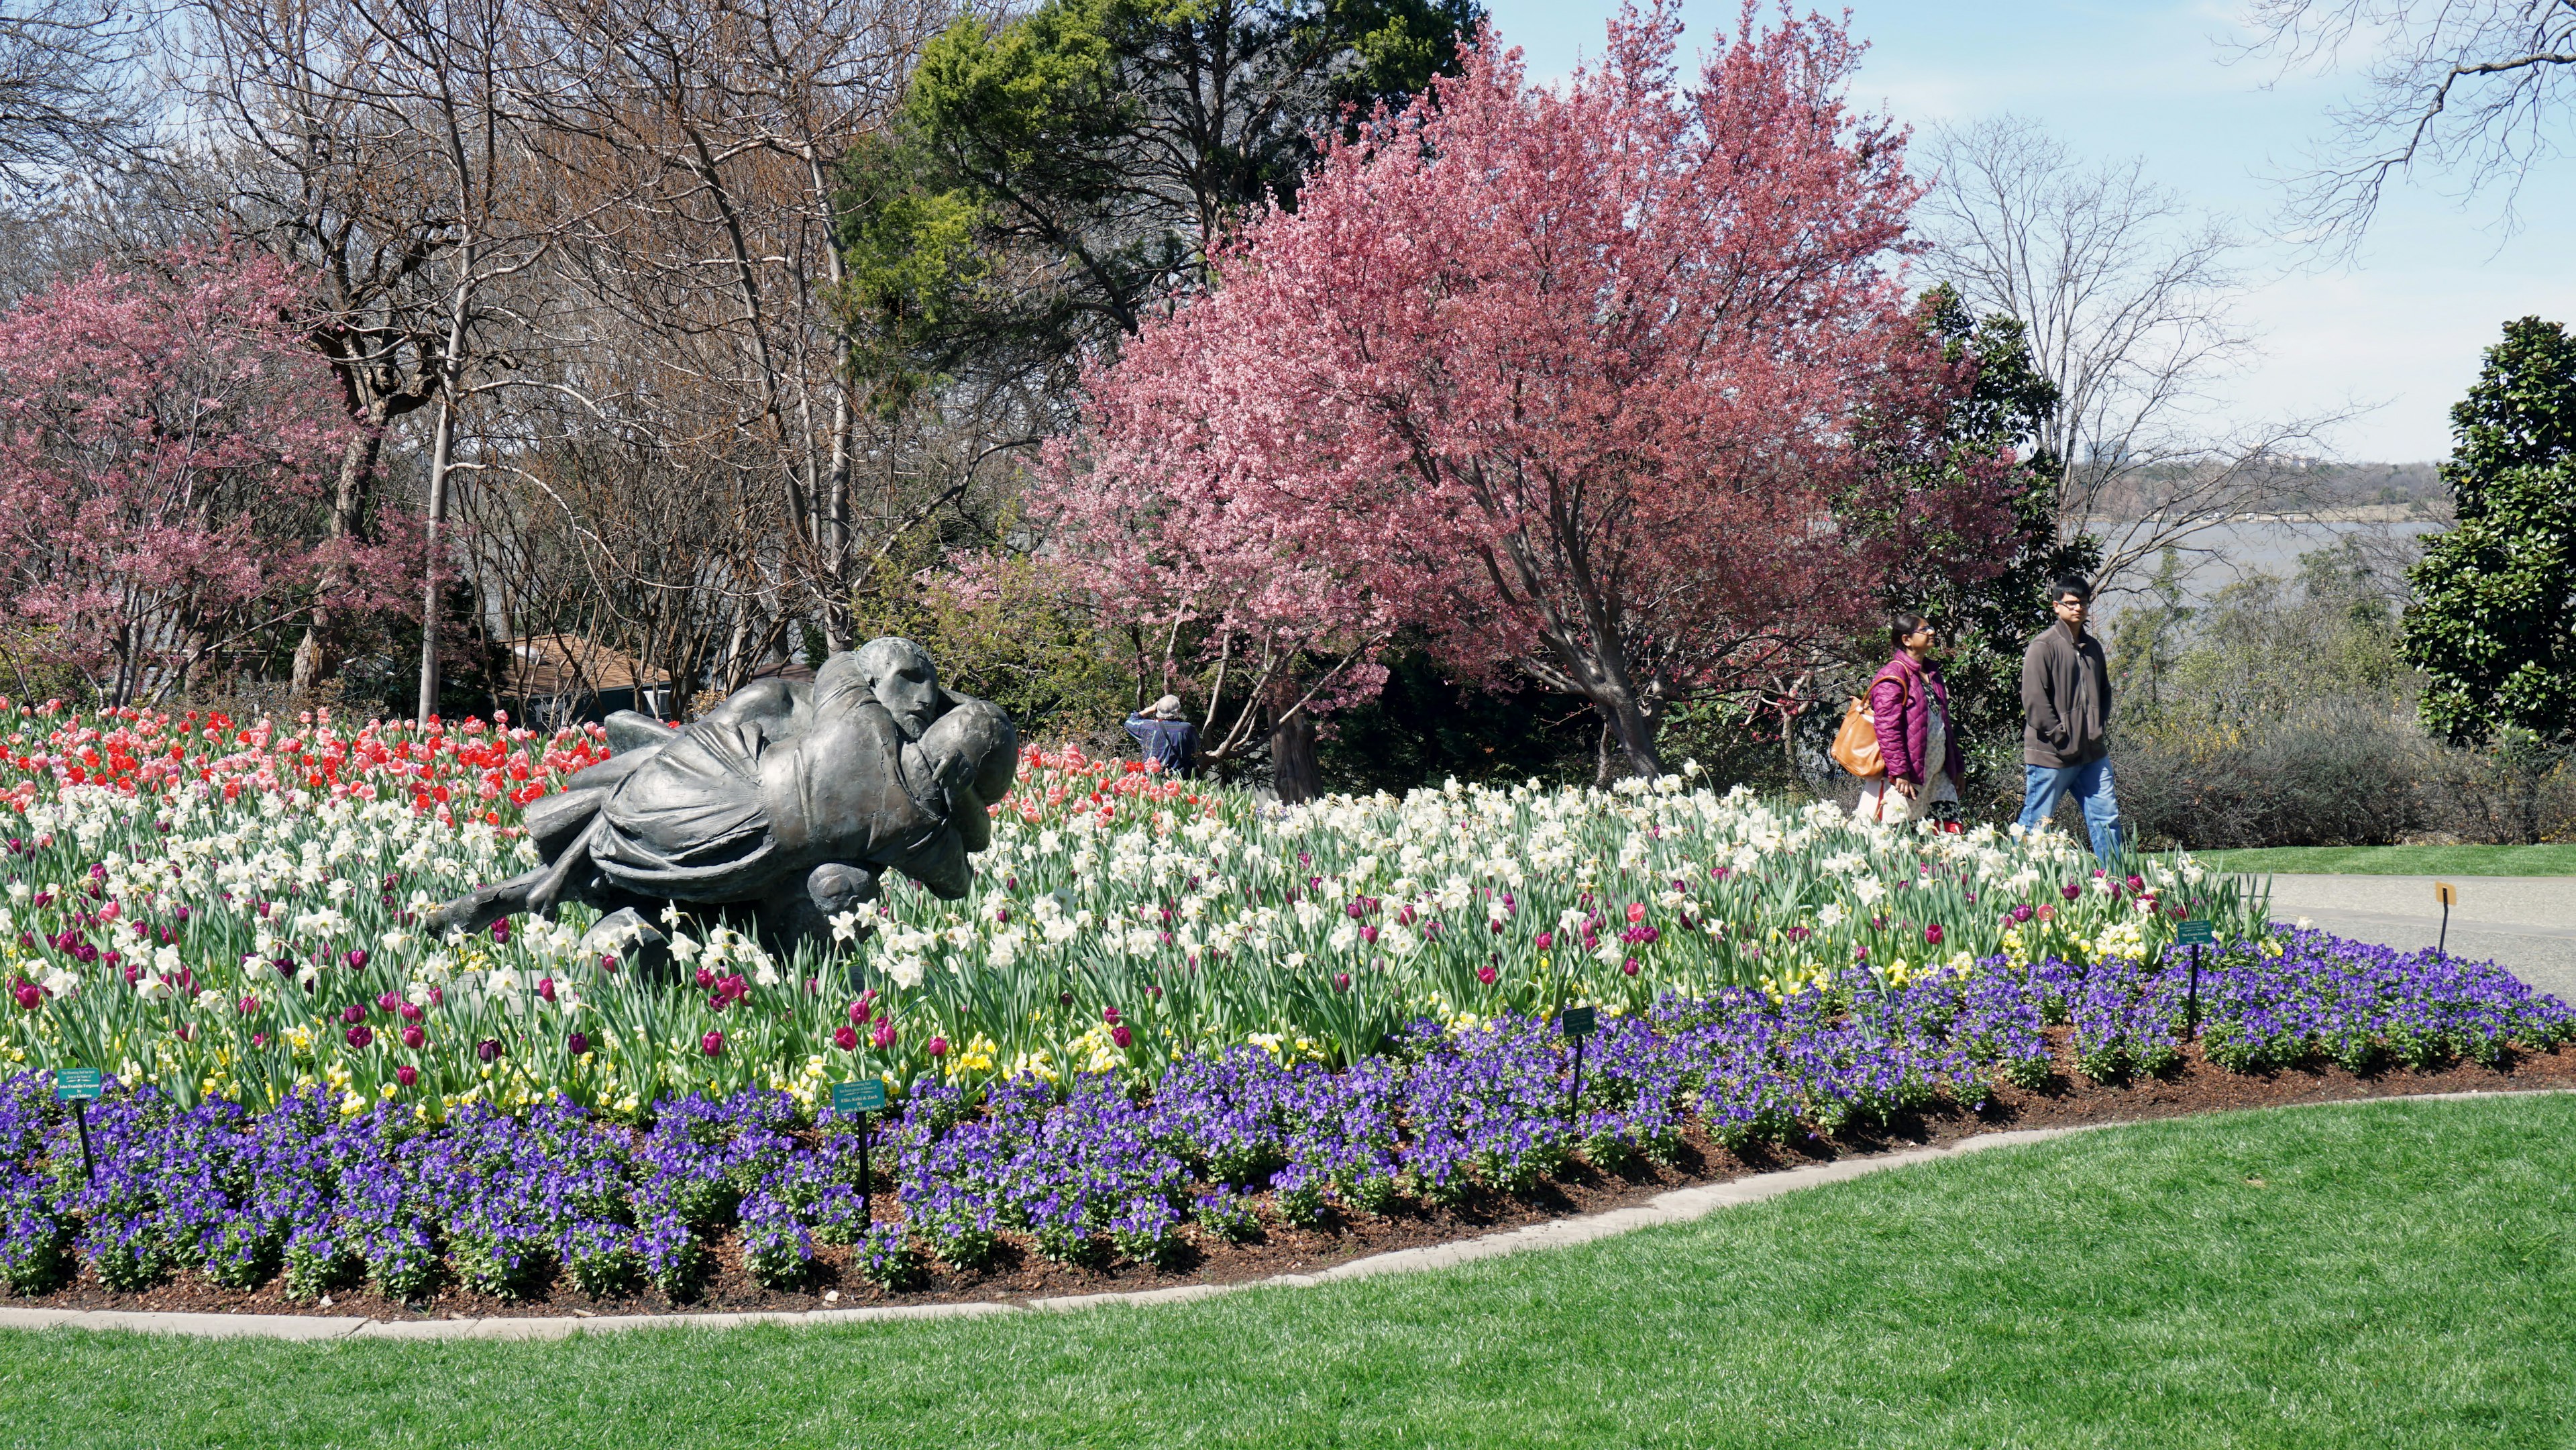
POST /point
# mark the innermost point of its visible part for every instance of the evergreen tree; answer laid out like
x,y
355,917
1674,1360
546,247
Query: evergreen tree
x,y
2493,626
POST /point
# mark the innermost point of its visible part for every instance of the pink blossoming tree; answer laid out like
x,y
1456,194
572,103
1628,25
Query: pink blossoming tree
x,y
1594,383
165,442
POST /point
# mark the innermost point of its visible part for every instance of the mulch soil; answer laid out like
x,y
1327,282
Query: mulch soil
x,y
1020,1273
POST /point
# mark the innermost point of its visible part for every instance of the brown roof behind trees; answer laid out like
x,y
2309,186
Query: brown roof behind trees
x,y
571,664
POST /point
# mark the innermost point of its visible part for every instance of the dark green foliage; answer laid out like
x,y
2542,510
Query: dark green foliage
x,y
1053,179
382,675
1423,728
1023,637
2493,626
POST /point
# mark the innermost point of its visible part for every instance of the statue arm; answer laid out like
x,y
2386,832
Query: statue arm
x,y
767,701
629,731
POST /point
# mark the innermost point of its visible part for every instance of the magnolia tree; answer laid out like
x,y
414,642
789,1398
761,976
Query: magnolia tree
x,y
165,446
1583,382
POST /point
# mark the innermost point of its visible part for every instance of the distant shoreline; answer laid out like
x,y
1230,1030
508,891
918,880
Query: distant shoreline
x,y
2369,513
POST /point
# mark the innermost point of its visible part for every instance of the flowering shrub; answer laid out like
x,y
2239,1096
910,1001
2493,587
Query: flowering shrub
x,y
1232,1138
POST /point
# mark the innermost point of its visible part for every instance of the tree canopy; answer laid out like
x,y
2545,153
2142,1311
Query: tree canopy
x,y
1575,380
2493,625
1053,178
163,464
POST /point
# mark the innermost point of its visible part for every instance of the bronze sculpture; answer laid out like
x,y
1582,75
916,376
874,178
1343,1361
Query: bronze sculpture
x,y
785,804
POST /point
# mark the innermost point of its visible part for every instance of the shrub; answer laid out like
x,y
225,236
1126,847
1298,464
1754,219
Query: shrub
x,y
2344,771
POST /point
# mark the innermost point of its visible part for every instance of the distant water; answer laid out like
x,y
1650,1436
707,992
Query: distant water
x,y
2228,553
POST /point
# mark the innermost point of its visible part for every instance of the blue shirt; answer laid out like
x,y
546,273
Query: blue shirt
x,y
1170,742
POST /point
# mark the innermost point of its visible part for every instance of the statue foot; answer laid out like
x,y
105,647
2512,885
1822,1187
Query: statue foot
x,y
484,905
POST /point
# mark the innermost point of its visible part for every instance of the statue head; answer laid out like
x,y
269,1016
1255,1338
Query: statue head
x,y
972,754
904,680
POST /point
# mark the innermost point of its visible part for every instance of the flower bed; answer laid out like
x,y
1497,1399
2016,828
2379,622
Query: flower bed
x,y
1228,1145
226,912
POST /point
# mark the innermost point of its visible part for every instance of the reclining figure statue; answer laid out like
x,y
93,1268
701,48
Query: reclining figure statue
x,y
786,803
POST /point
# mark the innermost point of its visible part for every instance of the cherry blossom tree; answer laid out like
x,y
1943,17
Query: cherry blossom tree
x,y
1581,381
166,449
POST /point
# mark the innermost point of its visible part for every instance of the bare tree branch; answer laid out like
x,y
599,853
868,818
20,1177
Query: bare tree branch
x,y
2128,299
2476,90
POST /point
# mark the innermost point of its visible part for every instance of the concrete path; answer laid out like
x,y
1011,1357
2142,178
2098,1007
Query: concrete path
x,y
1682,1205
2526,923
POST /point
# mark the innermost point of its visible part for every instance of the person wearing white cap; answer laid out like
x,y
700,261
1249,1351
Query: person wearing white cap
x,y
1170,740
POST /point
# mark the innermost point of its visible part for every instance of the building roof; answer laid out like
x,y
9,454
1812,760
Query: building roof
x,y
572,664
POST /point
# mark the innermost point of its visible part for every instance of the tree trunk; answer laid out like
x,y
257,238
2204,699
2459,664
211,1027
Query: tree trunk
x,y
313,662
1294,771
1628,729
441,451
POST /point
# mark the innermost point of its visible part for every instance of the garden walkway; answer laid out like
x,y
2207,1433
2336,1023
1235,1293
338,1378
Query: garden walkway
x,y
2526,923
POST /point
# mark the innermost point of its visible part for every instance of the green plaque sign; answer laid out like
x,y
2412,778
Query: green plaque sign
x,y
867,1095
1578,1022
2194,933
75,1084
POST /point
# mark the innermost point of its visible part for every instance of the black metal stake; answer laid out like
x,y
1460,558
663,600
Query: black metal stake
x,y
2191,999
2443,942
80,1121
1575,1095
866,1217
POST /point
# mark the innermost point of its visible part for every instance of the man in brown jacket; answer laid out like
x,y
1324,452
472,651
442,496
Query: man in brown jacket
x,y
2066,692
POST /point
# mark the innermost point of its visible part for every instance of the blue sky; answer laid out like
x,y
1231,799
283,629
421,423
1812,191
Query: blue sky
x,y
2400,327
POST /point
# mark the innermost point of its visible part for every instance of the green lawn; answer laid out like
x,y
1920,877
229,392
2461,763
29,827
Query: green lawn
x,y
2383,1275
2402,860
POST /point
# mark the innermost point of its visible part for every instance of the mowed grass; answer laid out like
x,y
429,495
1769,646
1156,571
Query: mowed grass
x,y
2395,1274
2400,860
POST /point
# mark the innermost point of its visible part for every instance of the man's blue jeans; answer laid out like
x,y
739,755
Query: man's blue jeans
x,y
2044,786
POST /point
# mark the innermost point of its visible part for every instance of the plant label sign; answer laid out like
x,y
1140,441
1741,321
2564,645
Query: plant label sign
x,y
1578,1022
76,1084
2194,933
2446,894
867,1095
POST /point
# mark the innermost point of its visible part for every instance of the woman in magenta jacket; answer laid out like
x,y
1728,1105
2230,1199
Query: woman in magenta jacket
x,y
1909,707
